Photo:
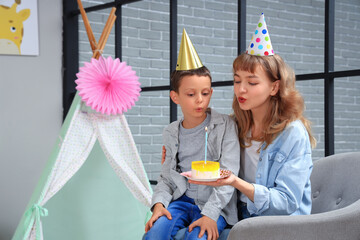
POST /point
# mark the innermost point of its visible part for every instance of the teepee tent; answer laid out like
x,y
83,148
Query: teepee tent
x,y
96,205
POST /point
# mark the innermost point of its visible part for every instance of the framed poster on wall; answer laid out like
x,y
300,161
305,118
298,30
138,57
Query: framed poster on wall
x,y
19,33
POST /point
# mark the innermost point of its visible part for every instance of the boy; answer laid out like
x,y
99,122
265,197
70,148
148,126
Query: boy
x,y
177,204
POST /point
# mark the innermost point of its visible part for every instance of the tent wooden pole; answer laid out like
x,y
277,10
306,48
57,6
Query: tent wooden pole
x,y
97,48
105,34
88,29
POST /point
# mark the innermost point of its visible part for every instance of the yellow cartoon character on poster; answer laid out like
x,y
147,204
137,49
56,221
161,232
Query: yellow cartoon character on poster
x,y
11,28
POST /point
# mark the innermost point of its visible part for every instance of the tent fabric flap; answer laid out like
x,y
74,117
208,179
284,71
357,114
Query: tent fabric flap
x,y
71,152
119,147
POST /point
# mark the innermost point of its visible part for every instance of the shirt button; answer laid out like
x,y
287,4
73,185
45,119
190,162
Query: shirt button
x,y
176,145
258,175
260,159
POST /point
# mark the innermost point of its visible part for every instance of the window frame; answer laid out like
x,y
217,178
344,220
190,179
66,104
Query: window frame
x,y
71,57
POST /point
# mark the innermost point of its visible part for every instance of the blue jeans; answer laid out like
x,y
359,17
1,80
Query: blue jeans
x,y
183,212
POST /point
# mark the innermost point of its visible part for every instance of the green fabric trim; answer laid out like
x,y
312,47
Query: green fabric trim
x,y
33,214
85,108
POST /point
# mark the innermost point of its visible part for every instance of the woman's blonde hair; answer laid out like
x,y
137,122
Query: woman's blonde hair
x,y
285,107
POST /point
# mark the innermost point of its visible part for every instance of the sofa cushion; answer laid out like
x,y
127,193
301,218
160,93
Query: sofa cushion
x,y
335,182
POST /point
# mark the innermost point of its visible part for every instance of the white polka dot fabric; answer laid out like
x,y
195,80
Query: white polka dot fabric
x,y
74,150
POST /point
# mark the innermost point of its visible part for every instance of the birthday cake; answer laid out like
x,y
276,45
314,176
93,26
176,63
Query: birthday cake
x,y
202,170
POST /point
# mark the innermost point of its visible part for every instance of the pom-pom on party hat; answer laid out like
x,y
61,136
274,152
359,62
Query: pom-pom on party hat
x,y
188,58
260,44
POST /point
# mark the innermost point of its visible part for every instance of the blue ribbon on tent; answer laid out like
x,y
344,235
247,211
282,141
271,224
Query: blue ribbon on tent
x,y
33,214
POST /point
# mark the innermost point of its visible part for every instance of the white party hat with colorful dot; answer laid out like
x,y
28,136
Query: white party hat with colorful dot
x,y
260,44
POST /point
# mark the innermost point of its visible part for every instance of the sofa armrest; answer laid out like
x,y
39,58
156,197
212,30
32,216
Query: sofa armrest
x,y
338,224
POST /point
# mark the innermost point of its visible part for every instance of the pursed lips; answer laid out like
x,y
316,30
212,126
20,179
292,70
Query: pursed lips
x,y
241,99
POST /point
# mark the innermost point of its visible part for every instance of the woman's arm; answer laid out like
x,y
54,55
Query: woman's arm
x,y
244,187
163,154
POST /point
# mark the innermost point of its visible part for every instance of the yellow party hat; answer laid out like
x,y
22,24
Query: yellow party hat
x,y
188,58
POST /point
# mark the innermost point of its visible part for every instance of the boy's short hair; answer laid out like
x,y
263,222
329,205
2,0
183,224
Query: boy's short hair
x,y
176,76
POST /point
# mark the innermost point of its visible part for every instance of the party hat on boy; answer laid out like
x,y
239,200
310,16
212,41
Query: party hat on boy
x,y
188,58
260,44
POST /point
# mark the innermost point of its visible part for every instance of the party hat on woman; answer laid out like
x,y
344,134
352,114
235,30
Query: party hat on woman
x,y
188,58
260,44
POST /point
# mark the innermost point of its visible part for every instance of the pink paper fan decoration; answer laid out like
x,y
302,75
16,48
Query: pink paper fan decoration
x,y
108,86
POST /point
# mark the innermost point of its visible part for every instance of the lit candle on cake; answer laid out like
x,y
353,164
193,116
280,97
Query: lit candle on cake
x,y
204,169
206,136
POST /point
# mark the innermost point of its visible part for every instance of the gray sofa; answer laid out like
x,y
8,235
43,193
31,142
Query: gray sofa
x,y
335,212
335,183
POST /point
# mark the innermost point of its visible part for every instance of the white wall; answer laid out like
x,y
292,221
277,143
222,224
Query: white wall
x,y
30,116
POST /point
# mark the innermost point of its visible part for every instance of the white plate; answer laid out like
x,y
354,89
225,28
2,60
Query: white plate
x,y
223,174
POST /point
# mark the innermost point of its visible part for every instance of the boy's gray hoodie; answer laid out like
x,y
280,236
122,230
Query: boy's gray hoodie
x,y
223,144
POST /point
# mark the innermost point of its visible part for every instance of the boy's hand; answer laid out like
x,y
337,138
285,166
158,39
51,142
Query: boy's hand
x,y
206,224
158,211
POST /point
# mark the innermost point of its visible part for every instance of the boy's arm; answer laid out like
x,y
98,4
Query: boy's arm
x,y
164,190
230,159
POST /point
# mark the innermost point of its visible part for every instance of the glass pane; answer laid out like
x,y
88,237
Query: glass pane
x,y
296,30
212,28
97,21
347,114
313,94
179,112
147,120
145,40
347,35
222,99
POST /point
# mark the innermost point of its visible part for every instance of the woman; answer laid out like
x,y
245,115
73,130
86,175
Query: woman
x,y
275,137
